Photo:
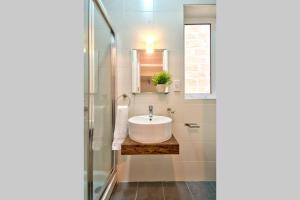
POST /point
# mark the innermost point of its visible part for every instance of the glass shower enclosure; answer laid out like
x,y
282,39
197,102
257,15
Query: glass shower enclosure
x,y
99,65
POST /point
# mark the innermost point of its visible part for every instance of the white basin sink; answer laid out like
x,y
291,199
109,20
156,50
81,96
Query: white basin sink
x,y
142,130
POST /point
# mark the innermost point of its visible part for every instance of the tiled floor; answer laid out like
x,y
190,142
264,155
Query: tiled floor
x,y
204,190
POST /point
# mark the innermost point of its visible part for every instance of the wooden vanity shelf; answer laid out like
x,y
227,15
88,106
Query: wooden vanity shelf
x,y
130,147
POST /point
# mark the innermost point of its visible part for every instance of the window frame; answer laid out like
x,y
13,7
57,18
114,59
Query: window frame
x,y
212,94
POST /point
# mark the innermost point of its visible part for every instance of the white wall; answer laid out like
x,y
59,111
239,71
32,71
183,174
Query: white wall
x,y
164,19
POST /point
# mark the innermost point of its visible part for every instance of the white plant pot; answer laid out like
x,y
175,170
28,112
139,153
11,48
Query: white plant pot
x,y
161,87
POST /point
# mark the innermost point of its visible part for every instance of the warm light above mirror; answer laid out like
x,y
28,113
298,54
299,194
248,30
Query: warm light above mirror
x,y
150,45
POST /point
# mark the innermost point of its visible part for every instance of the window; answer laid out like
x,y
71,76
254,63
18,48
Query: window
x,y
197,59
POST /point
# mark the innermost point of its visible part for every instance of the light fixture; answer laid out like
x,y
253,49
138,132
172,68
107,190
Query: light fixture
x,y
150,44
148,5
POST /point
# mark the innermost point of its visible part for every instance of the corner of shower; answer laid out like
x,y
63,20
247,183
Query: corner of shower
x,y
99,102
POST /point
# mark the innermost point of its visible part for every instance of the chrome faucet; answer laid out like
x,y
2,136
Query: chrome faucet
x,y
150,112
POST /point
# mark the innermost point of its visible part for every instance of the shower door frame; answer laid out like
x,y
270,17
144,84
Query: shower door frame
x,y
91,83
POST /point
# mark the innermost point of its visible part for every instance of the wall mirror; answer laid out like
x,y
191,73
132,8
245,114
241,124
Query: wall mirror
x,y
144,66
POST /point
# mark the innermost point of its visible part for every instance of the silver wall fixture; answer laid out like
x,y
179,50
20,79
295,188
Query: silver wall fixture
x,y
124,96
192,125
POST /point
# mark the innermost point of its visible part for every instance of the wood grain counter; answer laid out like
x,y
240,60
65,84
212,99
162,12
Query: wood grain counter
x,y
130,147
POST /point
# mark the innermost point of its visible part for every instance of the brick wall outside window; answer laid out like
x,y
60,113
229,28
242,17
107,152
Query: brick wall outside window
x,y
197,59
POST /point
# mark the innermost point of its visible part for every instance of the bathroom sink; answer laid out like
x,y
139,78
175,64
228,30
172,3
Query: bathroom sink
x,y
144,130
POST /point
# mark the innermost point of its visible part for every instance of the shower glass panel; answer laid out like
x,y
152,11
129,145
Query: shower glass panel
x,y
99,165
102,103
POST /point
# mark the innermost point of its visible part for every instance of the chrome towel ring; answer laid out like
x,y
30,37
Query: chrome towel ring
x,y
124,96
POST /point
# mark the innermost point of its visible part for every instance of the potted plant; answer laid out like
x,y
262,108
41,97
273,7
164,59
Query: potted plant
x,y
161,81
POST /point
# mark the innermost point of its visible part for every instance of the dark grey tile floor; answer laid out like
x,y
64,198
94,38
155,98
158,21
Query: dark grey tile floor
x,y
203,190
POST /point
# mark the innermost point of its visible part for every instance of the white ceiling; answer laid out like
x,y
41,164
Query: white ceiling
x,y
200,11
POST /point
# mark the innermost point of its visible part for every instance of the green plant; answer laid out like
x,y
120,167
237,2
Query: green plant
x,y
162,78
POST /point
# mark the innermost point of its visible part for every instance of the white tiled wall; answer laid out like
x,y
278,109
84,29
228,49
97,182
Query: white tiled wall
x,y
133,21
